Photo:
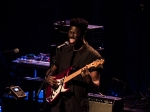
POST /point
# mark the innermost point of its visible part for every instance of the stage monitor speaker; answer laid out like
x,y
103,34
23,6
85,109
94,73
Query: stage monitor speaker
x,y
94,34
103,103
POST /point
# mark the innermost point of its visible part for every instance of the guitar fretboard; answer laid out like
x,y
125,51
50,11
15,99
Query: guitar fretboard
x,y
72,76
95,64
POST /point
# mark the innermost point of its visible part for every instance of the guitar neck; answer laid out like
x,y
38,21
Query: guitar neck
x,y
68,78
95,64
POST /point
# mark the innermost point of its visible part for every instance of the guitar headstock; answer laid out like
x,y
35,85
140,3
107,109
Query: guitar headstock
x,y
96,63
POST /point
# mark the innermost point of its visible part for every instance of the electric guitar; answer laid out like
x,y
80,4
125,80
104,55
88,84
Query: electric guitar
x,y
52,94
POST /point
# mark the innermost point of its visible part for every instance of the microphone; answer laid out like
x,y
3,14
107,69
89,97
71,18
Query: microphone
x,y
16,50
118,80
115,79
64,44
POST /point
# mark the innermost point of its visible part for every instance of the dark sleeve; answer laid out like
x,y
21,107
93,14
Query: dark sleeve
x,y
55,59
99,67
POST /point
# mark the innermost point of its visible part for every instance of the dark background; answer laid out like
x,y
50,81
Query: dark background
x,y
28,25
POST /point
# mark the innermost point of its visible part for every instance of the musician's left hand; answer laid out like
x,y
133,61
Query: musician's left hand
x,y
86,74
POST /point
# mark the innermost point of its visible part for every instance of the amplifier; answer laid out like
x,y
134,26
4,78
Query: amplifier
x,y
103,103
94,34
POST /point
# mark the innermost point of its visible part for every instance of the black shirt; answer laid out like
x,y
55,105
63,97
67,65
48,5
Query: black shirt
x,y
78,59
76,98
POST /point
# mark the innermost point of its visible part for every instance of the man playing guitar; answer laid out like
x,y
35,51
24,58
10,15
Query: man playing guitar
x,y
75,72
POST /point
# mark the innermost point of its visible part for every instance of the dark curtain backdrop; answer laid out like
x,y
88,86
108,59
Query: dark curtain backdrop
x,y
28,25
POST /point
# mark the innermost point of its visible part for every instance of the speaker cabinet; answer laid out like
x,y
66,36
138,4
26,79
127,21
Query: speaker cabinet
x,y
94,34
102,103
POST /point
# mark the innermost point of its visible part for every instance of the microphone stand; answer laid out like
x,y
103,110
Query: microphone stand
x,y
124,87
43,83
139,95
52,47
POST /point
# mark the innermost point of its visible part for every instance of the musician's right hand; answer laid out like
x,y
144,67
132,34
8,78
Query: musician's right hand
x,y
51,80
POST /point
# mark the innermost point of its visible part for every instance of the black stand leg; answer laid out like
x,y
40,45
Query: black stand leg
x,y
139,96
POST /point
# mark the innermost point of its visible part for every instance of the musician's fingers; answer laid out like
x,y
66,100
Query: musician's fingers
x,y
82,72
86,68
49,80
52,79
85,71
52,83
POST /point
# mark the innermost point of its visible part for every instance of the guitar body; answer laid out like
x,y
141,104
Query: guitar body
x,y
52,94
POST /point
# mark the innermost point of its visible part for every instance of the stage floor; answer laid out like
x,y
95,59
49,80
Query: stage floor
x,y
9,103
